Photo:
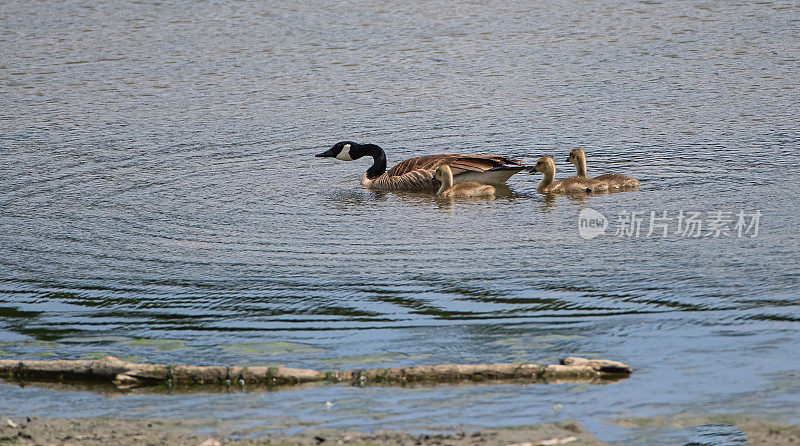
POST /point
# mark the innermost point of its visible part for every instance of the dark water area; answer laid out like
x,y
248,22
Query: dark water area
x,y
160,201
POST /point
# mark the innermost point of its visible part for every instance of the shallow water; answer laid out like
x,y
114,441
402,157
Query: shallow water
x,y
160,201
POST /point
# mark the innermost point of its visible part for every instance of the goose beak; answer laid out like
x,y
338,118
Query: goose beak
x,y
326,154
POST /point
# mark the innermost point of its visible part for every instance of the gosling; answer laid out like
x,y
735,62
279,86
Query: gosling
x,y
464,189
614,180
568,186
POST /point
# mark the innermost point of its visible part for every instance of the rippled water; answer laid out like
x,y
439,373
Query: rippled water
x,y
160,200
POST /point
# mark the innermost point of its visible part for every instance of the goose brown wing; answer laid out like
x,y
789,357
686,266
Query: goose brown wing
x,y
427,162
417,173
482,163
459,163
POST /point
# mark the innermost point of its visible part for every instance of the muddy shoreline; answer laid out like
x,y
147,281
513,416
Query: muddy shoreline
x,y
97,431
103,431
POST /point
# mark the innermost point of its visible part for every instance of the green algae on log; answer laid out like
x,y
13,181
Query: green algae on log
x,y
130,374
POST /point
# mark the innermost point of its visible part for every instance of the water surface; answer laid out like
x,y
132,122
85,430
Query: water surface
x,y
160,201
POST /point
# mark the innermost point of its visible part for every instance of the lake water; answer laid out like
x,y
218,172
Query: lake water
x,y
160,201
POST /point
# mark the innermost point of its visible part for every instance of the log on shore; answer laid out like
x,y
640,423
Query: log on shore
x,y
130,374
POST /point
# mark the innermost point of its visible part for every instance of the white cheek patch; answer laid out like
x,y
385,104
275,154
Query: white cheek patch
x,y
344,155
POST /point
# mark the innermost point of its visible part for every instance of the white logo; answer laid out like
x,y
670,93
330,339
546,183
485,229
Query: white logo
x,y
591,223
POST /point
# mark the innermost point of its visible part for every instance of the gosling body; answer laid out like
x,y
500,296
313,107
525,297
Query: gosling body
x,y
614,180
568,186
466,189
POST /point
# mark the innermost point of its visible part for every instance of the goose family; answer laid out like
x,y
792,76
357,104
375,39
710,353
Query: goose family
x,y
467,189
571,185
614,180
418,173
454,175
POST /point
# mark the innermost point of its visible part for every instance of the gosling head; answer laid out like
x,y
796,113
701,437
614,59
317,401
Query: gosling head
x,y
575,156
341,151
545,165
442,172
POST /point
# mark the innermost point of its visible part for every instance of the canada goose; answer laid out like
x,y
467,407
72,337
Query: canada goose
x,y
571,185
464,189
614,180
418,173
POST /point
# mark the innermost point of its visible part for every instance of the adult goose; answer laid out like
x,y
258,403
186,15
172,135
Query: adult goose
x,y
418,173
568,186
614,180
465,189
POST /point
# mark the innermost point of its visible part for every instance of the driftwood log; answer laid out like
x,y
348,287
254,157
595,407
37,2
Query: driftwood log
x,y
124,374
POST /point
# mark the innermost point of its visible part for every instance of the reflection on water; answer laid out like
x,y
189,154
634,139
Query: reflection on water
x,y
718,434
158,182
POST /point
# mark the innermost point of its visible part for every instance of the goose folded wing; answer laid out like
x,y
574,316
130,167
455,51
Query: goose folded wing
x,y
420,163
464,164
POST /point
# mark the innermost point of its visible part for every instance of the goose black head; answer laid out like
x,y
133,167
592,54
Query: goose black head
x,y
342,151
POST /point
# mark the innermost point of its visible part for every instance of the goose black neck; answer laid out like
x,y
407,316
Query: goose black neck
x,y
379,166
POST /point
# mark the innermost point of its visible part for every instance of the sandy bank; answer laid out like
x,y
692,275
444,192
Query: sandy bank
x,y
104,431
